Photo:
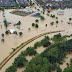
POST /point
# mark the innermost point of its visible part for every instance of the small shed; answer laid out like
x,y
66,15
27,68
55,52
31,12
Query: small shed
x,y
60,12
12,31
36,15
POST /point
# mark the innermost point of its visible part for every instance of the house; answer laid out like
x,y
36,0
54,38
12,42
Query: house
x,y
60,12
7,3
26,10
22,3
12,31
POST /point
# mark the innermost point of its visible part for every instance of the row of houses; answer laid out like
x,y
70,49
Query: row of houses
x,y
7,3
13,2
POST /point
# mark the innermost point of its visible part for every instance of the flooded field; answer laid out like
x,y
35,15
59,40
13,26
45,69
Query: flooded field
x,y
67,60
12,41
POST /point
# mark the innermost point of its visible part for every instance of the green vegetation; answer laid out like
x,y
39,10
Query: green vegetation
x,y
42,18
36,25
19,23
11,69
5,23
2,40
17,13
70,19
53,16
57,22
7,32
52,23
20,33
33,24
69,68
30,51
2,34
46,25
36,20
48,60
20,61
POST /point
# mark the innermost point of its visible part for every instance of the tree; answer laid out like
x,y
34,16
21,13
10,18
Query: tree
x,y
37,44
57,21
33,24
5,23
15,32
46,25
42,18
68,69
36,20
52,23
20,61
11,69
59,69
2,40
36,25
58,38
19,22
56,17
70,19
2,35
30,51
20,33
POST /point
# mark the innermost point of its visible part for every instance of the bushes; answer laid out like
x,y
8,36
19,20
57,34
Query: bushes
x,y
36,25
46,44
7,32
20,61
52,23
30,51
20,33
2,40
11,69
59,69
68,69
19,23
42,18
36,20
57,22
37,44
70,19
38,64
33,24
2,35
53,16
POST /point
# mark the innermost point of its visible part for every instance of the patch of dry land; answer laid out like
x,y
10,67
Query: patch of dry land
x,y
12,40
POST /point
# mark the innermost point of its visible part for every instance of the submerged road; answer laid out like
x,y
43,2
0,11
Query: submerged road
x,y
23,45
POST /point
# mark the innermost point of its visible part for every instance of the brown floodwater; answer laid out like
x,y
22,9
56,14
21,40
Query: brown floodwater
x,y
12,41
66,60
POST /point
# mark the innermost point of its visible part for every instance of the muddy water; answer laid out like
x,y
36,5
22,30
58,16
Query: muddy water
x,y
12,41
67,60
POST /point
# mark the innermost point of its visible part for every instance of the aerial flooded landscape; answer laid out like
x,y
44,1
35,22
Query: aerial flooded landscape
x,y
35,35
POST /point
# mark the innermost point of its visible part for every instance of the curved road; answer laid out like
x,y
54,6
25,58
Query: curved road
x,y
24,44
